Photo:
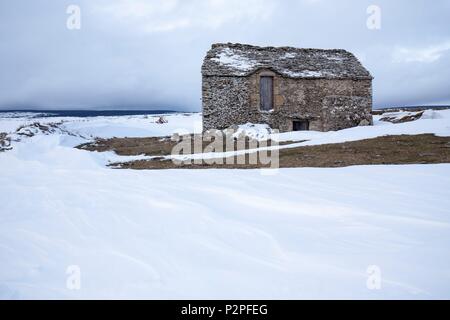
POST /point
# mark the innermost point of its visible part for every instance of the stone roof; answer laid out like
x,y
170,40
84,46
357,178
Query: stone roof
x,y
242,60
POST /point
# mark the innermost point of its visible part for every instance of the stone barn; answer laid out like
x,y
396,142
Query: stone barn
x,y
287,88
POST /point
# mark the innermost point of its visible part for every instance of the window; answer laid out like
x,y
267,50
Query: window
x,y
266,93
300,125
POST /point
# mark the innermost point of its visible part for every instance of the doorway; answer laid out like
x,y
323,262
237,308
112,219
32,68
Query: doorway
x,y
266,93
300,125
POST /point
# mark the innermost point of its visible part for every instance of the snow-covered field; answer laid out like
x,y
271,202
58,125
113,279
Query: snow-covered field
x,y
301,233
108,127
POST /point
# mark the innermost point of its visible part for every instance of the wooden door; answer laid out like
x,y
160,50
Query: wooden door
x,y
266,93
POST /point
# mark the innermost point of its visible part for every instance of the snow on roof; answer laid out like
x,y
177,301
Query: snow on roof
x,y
227,57
243,60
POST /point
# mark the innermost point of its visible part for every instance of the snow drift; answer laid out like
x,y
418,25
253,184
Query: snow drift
x,y
175,234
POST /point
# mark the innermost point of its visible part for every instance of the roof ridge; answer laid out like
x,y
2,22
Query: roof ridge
x,y
250,46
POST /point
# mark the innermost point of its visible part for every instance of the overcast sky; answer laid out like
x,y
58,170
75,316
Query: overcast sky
x,y
148,53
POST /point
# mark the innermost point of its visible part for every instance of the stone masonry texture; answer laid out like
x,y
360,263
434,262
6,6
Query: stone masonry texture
x,y
328,88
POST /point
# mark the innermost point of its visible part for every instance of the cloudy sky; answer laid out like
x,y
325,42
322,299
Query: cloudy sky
x,y
148,53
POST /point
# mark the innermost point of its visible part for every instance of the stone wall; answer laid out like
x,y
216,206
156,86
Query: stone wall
x,y
328,104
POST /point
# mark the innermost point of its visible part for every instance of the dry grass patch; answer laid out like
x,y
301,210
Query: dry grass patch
x,y
401,149
156,146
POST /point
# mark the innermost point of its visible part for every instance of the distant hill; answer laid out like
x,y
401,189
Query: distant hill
x,y
409,108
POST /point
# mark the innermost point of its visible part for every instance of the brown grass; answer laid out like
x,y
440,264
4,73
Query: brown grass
x,y
132,146
402,149
156,146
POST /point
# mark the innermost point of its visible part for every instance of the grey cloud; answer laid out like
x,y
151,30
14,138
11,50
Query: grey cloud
x,y
147,54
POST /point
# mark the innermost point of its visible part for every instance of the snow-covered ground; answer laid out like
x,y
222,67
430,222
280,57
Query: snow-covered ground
x,y
109,127
301,233
437,122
